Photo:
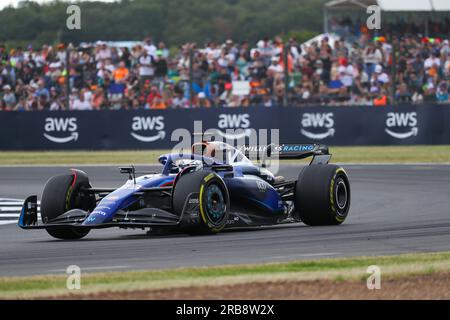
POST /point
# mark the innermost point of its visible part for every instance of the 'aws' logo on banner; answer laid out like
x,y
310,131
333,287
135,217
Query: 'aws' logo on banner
x,y
318,126
141,126
61,130
397,122
234,121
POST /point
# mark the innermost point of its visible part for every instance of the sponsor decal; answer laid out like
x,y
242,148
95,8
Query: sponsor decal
x,y
141,126
262,186
61,130
297,148
246,148
233,220
284,148
193,201
106,201
102,213
397,122
104,208
234,121
318,126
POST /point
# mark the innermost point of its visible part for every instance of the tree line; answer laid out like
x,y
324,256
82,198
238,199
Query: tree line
x,y
174,21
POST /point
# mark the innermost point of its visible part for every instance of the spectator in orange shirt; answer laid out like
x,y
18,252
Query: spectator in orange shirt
x,y
121,73
98,99
158,103
380,100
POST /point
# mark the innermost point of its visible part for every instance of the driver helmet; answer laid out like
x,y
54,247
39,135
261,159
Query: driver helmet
x,y
210,150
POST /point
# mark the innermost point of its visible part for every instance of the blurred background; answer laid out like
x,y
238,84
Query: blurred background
x,y
161,54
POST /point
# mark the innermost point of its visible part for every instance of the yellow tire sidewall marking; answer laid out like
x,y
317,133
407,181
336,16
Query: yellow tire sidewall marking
x,y
339,170
202,212
200,199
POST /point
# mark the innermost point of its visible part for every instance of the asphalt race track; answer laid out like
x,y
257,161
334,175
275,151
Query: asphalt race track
x,y
395,209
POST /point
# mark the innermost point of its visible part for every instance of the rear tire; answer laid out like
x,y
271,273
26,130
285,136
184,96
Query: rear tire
x,y
322,195
214,200
61,195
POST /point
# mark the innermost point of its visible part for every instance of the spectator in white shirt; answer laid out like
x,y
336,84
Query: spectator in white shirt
x,y
62,54
379,76
432,61
81,103
346,72
146,68
275,67
445,50
447,67
102,52
372,57
150,47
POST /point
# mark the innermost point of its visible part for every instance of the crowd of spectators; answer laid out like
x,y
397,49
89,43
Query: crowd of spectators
x,y
148,75
353,27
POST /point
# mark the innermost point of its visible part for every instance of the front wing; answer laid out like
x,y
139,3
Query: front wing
x,y
143,218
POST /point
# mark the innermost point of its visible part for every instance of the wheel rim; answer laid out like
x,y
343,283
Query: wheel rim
x,y
215,203
341,194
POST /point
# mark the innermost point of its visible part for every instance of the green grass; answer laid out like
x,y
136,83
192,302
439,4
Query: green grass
x,y
334,269
394,154
79,157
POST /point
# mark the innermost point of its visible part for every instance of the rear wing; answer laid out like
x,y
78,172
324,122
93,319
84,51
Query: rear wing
x,y
319,152
301,151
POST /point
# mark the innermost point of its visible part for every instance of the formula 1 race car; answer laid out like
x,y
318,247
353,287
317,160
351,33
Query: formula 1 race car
x,y
214,187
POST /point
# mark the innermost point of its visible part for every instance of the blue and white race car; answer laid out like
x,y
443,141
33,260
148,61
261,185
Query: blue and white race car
x,y
212,188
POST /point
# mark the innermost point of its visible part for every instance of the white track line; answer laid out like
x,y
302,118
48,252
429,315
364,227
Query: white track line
x,y
93,268
4,223
306,255
6,200
11,208
9,215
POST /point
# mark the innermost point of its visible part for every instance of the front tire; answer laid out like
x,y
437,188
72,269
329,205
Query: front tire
x,y
213,199
61,195
322,195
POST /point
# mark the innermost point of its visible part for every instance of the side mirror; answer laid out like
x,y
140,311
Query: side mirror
x,y
131,171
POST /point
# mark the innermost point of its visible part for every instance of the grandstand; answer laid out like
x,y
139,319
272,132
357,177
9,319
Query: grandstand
x,y
407,61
